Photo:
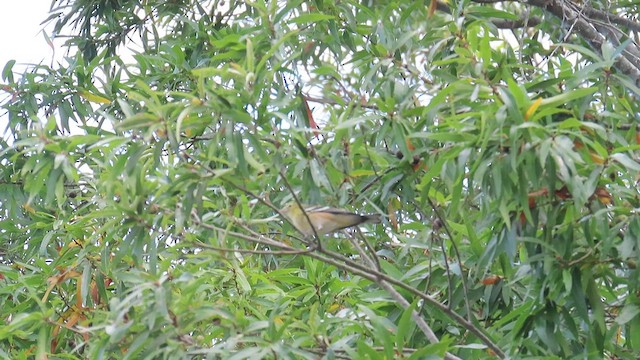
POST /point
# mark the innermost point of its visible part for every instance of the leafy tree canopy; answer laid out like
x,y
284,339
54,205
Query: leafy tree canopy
x,y
142,180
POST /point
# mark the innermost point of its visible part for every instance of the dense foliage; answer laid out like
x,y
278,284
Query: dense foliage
x,y
142,179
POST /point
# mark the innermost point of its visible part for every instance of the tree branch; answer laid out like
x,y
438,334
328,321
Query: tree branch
x,y
584,20
517,24
585,28
422,324
610,18
499,23
344,263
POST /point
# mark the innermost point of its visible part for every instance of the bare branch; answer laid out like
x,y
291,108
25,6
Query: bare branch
x,y
516,24
249,251
611,18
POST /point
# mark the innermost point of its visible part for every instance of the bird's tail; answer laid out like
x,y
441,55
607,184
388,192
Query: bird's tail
x,y
373,218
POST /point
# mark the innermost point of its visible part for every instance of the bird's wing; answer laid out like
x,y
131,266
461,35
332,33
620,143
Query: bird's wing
x,y
326,209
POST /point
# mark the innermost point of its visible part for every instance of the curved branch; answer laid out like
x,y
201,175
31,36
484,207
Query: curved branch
x,y
375,276
344,263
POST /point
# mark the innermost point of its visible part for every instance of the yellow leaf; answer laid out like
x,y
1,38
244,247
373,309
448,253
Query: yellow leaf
x,y
597,158
75,243
532,109
93,97
29,208
361,172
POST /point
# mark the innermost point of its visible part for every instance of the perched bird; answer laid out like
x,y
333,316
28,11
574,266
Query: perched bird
x,y
324,219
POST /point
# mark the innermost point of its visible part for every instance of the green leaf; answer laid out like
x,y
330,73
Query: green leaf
x,y
311,18
489,12
567,96
7,71
628,313
318,174
406,326
446,136
437,350
625,161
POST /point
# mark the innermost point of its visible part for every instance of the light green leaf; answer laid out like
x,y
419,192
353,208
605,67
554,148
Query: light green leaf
x,y
311,18
625,161
628,313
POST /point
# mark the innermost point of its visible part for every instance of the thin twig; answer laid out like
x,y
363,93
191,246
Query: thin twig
x,y
248,251
375,261
295,198
458,257
447,268
375,276
422,324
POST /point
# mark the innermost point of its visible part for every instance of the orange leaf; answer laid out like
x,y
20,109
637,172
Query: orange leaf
x,y
409,144
523,218
59,279
433,5
542,192
308,47
391,211
312,122
95,295
563,193
491,280
73,319
419,165
534,194
79,293
603,196
54,341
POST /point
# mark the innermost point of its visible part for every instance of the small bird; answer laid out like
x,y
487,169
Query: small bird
x,y
324,219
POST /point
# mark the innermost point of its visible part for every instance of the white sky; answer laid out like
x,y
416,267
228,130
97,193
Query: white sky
x,y
21,39
21,36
